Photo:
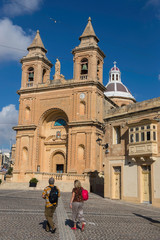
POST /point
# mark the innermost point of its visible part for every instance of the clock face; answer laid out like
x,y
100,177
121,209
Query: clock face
x,y
82,96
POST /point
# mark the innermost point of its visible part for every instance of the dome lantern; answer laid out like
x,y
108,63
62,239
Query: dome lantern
x,y
115,88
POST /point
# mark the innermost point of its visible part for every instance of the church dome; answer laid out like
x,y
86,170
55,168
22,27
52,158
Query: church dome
x,y
115,88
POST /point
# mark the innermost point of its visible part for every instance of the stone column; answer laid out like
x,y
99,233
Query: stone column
x,y
17,156
73,154
30,152
88,152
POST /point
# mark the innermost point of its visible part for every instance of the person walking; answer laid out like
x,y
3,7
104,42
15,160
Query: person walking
x,y
50,194
76,204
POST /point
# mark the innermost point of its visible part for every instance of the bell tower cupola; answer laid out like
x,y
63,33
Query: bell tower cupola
x,y
88,57
35,66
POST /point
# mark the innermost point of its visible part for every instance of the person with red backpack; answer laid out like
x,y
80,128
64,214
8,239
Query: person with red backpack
x,y
76,204
51,194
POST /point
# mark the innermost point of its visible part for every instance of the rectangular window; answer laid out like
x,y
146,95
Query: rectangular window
x,y
143,133
131,138
117,77
154,136
137,137
112,76
142,136
117,135
148,136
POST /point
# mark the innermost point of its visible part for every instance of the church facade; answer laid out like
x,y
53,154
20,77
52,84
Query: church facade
x,y
79,127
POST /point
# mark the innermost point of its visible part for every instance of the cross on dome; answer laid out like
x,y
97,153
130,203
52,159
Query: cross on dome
x,y
114,63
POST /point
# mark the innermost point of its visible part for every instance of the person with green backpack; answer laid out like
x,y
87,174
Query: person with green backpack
x,y
51,194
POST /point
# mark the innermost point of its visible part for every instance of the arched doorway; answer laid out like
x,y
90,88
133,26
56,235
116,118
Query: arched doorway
x,y
53,141
57,164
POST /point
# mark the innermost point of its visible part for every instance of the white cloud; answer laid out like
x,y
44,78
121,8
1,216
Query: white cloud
x,y
20,7
155,4
13,41
8,119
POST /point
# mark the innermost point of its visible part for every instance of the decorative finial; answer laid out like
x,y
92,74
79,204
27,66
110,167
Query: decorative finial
x,y
89,19
37,31
114,63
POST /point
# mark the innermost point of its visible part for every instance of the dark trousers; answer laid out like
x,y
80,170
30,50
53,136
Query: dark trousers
x,y
49,216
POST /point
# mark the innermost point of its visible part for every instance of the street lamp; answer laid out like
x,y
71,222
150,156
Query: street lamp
x,y
99,141
105,145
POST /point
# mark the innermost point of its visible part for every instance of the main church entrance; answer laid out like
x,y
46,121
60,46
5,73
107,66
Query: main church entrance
x,y
54,142
58,164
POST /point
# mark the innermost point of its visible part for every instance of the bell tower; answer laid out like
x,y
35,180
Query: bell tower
x,y
35,66
88,57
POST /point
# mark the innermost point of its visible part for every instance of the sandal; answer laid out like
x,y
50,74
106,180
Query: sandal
x,y
73,228
83,225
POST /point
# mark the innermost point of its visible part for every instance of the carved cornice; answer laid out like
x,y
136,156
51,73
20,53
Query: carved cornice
x,y
86,123
81,49
29,59
24,127
68,84
61,142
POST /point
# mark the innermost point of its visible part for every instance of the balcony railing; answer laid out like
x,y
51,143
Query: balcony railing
x,y
29,84
84,76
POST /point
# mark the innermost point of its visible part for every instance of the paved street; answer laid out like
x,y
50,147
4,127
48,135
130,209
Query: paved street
x,y
22,217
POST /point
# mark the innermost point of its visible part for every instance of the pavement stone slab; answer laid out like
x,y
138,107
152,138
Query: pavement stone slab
x,y
22,217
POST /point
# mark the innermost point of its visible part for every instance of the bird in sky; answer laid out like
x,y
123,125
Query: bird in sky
x,y
54,20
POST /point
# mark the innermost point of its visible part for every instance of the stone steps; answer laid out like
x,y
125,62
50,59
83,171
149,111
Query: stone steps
x,y
63,186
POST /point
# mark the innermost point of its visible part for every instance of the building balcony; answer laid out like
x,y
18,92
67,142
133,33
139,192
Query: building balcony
x,y
143,149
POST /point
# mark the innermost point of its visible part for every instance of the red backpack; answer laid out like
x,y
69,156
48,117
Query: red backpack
x,y
84,194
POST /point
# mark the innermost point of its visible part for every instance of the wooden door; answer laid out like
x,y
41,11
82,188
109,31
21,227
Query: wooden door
x,y
146,183
117,183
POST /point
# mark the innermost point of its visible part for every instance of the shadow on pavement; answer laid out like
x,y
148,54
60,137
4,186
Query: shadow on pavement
x,y
147,218
43,224
69,222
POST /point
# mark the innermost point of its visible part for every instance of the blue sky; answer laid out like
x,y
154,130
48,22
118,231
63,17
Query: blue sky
x,y
129,33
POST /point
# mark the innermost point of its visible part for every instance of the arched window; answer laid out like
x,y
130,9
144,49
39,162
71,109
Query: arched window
x,y
25,163
98,64
43,75
60,122
116,77
84,66
27,113
31,74
82,108
81,154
